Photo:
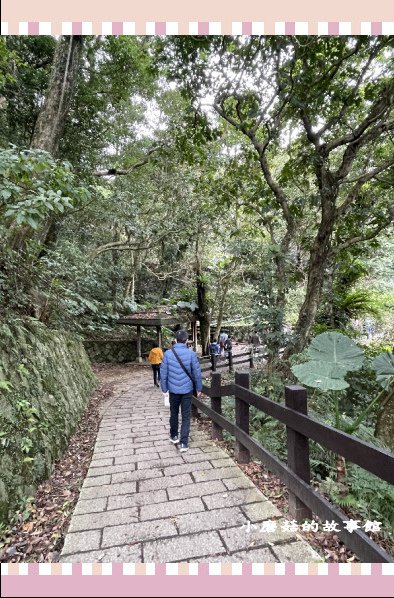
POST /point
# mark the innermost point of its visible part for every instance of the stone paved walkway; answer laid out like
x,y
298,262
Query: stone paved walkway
x,y
144,501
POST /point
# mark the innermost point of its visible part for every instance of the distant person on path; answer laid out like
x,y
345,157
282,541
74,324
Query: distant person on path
x,y
180,374
214,348
228,345
223,336
156,357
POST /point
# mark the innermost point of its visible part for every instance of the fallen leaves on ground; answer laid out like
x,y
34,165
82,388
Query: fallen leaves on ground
x,y
327,544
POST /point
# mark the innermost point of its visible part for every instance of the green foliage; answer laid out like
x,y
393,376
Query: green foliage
x,y
32,185
319,374
383,365
25,65
366,497
332,356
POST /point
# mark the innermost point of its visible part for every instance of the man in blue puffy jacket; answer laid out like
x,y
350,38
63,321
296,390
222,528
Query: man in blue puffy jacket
x,y
179,384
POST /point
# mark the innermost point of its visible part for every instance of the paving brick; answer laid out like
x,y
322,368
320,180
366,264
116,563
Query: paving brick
x,y
110,469
182,548
165,482
105,519
108,490
171,508
146,450
168,451
162,442
239,538
101,462
260,511
138,532
209,520
149,428
297,552
137,499
139,474
135,458
99,481
198,457
227,462
120,434
103,444
116,554
202,444
81,542
168,461
217,474
233,498
93,505
239,482
196,489
186,468
123,452
259,555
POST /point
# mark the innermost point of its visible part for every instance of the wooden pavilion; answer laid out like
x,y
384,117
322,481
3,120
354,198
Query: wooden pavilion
x,y
167,316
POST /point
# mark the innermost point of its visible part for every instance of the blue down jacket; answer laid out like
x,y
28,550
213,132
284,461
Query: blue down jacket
x,y
172,376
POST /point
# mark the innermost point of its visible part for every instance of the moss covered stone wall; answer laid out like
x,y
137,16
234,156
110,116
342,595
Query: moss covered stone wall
x,y
115,351
45,383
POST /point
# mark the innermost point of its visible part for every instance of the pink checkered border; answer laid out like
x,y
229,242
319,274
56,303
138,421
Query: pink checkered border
x,y
213,569
198,28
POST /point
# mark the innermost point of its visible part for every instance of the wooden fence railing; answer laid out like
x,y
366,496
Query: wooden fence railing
x,y
304,500
216,362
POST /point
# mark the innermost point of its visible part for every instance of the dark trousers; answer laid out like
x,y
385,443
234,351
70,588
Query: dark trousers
x,y
185,403
156,372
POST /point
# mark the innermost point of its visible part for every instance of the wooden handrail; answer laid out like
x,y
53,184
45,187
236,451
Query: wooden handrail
x,y
300,428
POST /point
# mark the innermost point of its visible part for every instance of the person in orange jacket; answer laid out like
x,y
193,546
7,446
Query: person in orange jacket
x,y
156,357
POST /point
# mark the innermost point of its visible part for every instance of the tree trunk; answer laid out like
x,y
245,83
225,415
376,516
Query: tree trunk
x,y
222,302
319,258
52,118
203,303
385,421
273,335
115,270
130,289
51,121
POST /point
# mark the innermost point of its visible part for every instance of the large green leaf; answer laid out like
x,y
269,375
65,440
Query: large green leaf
x,y
383,365
321,374
336,348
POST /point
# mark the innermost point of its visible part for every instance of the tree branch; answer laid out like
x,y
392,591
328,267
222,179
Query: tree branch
x,y
377,111
366,237
125,246
115,171
359,182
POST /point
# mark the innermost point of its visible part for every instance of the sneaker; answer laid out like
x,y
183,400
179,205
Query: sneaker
x,y
183,448
174,440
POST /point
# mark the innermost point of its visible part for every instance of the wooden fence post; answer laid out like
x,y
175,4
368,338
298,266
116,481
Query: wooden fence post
x,y
241,453
251,361
195,411
216,405
230,361
298,451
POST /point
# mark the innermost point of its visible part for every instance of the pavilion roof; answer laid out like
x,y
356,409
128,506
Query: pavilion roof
x,y
162,315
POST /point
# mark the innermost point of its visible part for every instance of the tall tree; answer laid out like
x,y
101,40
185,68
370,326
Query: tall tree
x,y
329,103
51,121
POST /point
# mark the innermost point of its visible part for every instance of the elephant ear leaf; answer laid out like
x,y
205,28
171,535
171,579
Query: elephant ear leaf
x,y
321,374
383,365
336,349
